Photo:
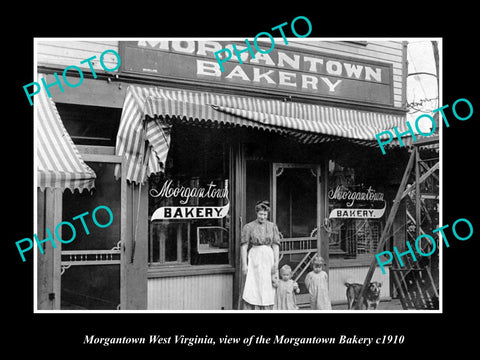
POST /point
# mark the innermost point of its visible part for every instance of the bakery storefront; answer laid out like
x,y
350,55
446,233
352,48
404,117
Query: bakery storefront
x,y
190,150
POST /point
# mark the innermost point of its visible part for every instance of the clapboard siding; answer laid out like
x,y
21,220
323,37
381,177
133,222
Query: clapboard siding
x,y
388,50
199,292
65,53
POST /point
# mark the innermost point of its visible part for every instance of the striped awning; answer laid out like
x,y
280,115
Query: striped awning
x,y
59,165
144,132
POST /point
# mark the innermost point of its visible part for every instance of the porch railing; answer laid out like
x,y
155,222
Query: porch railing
x,y
301,245
298,245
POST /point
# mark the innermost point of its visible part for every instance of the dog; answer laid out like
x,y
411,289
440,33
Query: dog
x,y
371,296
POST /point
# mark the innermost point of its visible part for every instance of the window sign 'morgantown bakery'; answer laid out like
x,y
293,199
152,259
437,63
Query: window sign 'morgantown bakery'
x,y
192,208
284,71
191,212
367,203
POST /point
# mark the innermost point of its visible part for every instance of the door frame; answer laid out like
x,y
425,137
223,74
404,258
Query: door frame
x,y
49,214
273,195
100,154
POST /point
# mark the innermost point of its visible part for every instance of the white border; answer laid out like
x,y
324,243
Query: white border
x,y
287,313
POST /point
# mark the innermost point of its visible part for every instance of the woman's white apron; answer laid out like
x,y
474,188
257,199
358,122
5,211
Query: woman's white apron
x,y
258,288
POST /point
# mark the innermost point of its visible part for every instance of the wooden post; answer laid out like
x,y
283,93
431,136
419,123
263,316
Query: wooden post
x,y
238,186
387,227
49,214
134,235
322,247
418,209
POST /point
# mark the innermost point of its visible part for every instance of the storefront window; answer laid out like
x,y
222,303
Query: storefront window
x,y
90,125
355,214
189,209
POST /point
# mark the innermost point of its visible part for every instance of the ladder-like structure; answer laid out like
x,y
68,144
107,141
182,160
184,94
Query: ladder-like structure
x,y
415,285
413,281
303,265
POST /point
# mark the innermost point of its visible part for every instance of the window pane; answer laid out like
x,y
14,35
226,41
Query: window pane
x,y
296,202
192,198
107,193
90,125
93,287
171,239
166,238
350,236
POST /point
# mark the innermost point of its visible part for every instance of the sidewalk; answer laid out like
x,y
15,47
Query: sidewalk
x,y
393,304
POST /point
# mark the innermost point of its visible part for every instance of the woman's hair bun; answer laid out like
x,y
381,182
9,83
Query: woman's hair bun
x,y
263,205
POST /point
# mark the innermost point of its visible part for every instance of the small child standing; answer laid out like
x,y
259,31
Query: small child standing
x,y
286,287
317,285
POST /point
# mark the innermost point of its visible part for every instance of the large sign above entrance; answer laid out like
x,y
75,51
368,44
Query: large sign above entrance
x,y
284,71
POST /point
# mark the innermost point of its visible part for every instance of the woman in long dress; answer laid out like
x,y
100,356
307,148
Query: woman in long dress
x,y
260,263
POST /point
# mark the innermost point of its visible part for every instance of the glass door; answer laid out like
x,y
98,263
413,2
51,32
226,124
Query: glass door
x,y
91,265
296,204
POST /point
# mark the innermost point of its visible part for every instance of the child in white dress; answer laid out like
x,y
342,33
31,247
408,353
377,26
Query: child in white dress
x,y
317,285
285,290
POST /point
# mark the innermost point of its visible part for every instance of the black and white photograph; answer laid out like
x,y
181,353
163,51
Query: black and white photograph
x,y
243,185
191,174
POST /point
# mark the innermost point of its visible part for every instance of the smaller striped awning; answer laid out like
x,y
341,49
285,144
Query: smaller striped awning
x,y
144,133
59,165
